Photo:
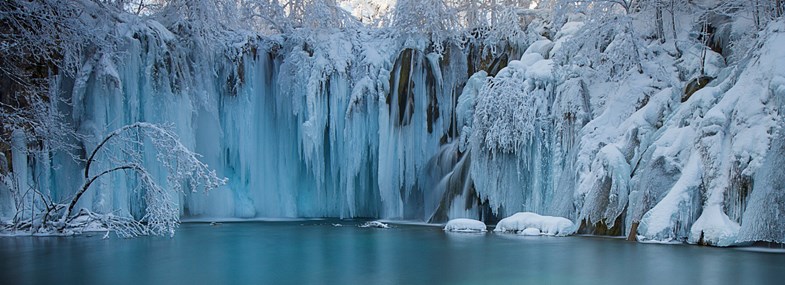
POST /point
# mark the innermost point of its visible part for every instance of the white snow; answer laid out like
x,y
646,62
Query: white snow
x,y
464,110
375,224
663,221
547,225
714,227
528,59
530,232
542,47
465,226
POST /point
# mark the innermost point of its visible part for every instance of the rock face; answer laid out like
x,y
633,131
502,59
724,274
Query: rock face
x,y
695,85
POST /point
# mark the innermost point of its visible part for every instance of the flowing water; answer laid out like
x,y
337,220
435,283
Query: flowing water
x,y
320,252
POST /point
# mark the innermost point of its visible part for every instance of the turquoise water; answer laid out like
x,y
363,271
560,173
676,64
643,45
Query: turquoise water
x,y
316,252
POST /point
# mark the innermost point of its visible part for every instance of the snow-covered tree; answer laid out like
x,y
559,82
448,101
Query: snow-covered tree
x,y
430,18
602,39
492,23
373,13
124,149
287,16
41,42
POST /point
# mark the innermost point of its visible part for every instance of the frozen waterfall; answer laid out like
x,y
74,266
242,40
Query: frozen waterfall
x,y
351,124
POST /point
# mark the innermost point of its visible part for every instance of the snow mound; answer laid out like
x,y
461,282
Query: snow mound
x,y
523,222
530,232
541,70
465,226
714,227
375,224
542,47
530,59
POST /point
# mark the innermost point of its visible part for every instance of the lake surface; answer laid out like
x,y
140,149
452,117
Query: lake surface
x,y
316,252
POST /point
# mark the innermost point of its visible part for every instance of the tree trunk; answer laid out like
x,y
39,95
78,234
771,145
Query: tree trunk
x,y
658,22
673,19
633,235
87,186
756,14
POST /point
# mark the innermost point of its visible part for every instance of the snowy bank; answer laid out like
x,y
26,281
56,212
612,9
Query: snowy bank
x,y
524,222
465,226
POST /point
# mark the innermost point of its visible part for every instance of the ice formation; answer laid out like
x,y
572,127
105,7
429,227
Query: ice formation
x,y
346,123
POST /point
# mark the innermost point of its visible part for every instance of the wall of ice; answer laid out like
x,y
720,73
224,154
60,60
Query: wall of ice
x,y
346,124
342,124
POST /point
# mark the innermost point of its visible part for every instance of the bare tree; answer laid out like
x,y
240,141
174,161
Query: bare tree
x,y
184,172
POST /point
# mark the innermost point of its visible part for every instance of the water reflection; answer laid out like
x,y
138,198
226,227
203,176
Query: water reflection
x,y
319,253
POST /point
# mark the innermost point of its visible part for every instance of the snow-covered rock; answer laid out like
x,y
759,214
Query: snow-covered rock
x,y
529,59
375,224
542,47
714,227
526,222
465,226
530,232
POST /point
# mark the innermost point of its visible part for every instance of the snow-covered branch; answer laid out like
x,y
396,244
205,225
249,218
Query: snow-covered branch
x,y
161,215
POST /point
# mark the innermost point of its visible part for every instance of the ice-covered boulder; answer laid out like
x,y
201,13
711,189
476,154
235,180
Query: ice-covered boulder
x,y
375,224
547,225
465,226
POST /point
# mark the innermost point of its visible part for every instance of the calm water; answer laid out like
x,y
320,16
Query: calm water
x,y
315,252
